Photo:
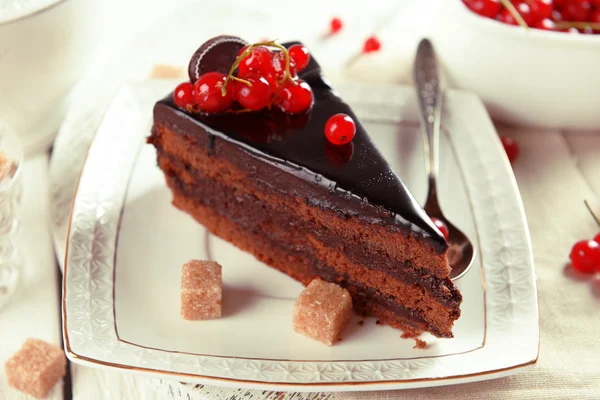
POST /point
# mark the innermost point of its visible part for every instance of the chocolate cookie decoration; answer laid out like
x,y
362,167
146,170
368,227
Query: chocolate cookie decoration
x,y
215,55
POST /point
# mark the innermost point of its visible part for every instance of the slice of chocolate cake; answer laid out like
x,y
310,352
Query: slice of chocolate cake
x,y
272,184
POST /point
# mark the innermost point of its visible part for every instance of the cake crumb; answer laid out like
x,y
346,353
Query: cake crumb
x,y
419,344
201,290
378,322
361,322
36,367
164,71
322,311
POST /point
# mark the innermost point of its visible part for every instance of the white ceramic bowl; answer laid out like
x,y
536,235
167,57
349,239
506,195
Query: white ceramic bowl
x,y
526,77
45,46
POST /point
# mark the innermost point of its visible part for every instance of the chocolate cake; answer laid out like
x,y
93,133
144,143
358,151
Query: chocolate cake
x,y
271,184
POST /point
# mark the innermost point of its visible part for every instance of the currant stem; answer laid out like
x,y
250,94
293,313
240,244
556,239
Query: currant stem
x,y
235,78
580,25
596,218
514,12
271,43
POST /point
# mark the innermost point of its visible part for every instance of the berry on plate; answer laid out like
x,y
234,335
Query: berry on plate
x,y
442,227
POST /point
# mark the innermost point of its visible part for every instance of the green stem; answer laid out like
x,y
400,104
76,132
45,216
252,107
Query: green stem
x,y
596,218
235,78
238,60
579,25
514,12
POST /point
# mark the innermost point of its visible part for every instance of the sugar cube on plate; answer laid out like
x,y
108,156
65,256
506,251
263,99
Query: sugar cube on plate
x,y
201,290
322,311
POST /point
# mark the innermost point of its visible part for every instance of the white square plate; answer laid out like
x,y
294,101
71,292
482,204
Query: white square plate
x,y
126,245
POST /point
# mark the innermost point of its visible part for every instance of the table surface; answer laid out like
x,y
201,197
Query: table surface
x,y
556,171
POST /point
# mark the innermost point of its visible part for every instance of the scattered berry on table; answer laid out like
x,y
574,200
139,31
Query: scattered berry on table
x,y
340,129
585,256
372,44
511,147
335,25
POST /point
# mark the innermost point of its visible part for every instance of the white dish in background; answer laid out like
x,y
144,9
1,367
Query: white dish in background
x,y
126,244
526,77
45,46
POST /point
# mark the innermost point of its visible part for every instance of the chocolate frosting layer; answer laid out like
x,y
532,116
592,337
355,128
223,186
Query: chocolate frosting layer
x,y
297,144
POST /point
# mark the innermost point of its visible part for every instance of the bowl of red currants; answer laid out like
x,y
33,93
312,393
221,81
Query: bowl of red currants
x,y
533,62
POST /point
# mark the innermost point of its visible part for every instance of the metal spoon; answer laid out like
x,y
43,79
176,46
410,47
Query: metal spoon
x,y
429,94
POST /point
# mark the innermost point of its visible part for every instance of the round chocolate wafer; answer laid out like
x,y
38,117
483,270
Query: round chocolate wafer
x,y
216,55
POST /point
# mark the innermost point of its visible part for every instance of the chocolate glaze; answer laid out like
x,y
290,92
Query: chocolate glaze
x,y
297,145
213,194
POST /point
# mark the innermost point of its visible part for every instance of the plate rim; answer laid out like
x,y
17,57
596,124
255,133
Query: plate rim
x,y
129,90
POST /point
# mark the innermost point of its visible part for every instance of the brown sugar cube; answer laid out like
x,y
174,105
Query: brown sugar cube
x,y
164,71
201,295
36,367
322,311
7,166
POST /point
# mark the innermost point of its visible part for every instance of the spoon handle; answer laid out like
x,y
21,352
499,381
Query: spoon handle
x,y
429,96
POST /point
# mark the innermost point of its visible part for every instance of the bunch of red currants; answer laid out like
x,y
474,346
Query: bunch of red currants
x,y
263,75
575,16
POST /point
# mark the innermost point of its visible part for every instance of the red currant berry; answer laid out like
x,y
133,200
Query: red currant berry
x,y
255,97
596,3
541,8
585,256
300,55
207,93
577,10
258,61
442,227
597,238
523,9
511,147
278,66
335,25
295,99
557,16
596,16
485,8
371,45
560,3
340,129
183,96
506,17
546,24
